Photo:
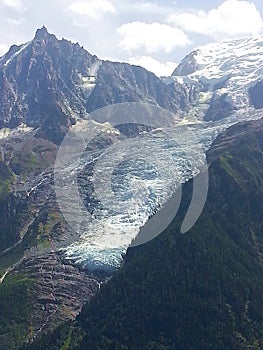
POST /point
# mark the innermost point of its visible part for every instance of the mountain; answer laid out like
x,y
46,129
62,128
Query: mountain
x,y
230,73
200,290
51,83
48,87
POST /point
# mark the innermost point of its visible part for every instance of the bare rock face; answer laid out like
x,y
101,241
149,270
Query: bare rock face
x,y
220,107
256,94
51,83
59,291
122,82
42,84
187,66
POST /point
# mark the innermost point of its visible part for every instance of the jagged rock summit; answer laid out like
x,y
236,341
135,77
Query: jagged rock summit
x,y
43,84
49,84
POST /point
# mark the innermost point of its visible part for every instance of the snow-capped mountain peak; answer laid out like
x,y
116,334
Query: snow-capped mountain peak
x,y
230,68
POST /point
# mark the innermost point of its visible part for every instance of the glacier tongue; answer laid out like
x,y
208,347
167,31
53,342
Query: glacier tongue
x,y
139,187
141,183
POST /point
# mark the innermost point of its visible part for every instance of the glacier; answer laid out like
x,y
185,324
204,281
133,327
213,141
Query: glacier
x,y
141,182
125,188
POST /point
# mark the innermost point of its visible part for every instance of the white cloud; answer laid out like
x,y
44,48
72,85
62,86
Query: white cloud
x,y
15,22
92,8
152,37
14,4
153,65
152,8
231,18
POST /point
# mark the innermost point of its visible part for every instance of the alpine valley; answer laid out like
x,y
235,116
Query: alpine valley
x,y
145,138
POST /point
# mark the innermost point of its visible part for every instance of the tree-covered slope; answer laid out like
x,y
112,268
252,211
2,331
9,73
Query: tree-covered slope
x,y
15,307
200,290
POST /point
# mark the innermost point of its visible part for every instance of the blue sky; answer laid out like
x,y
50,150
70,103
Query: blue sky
x,y
154,34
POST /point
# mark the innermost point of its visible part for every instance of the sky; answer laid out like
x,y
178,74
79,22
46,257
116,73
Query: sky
x,y
153,34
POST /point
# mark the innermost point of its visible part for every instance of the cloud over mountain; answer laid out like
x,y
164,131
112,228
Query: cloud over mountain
x,y
231,18
152,37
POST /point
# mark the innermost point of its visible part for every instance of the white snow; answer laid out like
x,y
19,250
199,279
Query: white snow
x,y
6,132
239,62
89,80
94,68
23,47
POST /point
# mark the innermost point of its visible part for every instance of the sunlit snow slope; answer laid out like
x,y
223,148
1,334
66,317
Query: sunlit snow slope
x,y
228,68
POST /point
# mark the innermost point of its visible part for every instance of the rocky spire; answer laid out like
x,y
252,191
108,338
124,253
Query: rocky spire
x,y
41,33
